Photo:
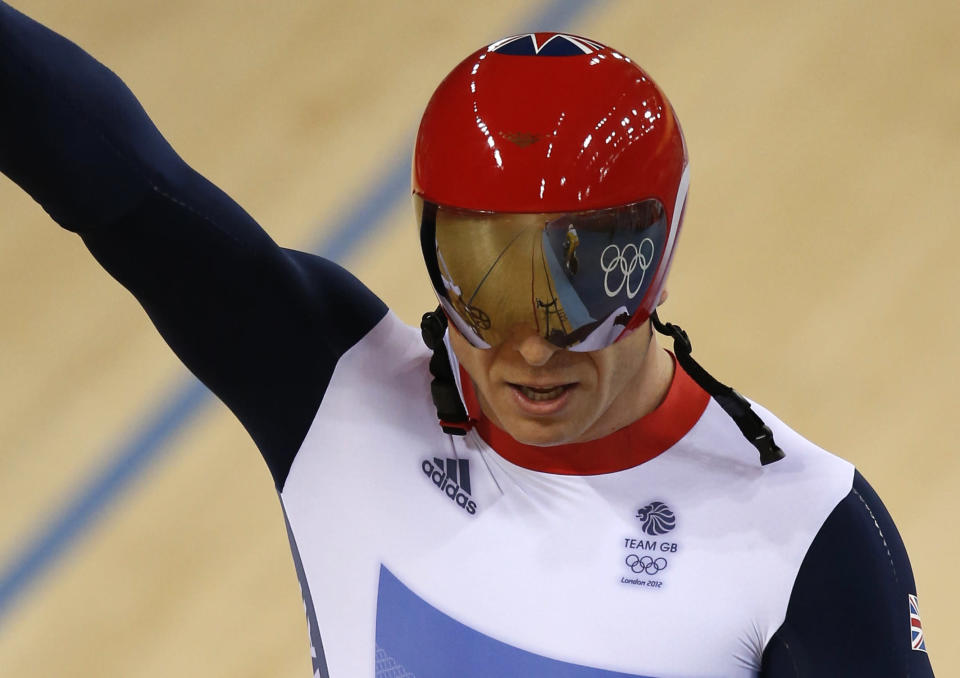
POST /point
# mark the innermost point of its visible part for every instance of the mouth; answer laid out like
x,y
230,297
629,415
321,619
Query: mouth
x,y
541,394
541,400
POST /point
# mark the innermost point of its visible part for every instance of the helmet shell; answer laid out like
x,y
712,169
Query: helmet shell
x,y
548,122
552,122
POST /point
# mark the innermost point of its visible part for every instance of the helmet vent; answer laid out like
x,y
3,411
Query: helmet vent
x,y
522,139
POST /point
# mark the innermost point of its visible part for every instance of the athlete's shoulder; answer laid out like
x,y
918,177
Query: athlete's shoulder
x,y
807,470
383,377
842,561
804,457
754,523
377,403
855,576
391,353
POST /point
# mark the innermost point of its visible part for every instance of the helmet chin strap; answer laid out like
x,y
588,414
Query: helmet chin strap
x,y
734,404
454,419
453,416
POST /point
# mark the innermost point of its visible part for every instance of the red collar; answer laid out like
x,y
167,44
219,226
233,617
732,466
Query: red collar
x,y
625,448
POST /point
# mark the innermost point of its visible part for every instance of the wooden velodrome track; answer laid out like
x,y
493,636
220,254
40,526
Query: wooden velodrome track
x,y
817,273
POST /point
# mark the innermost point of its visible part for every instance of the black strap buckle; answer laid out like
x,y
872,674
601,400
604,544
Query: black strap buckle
x,y
749,422
451,413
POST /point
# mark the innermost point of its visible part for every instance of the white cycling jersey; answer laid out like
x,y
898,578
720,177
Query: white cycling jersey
x,y
433,556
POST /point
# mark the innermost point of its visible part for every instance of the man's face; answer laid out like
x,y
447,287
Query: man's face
x,y
543,395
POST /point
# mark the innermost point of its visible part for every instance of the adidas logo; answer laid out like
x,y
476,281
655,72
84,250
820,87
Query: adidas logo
x,y
452,476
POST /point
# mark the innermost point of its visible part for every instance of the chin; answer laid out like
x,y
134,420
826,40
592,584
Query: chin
x,y
542,433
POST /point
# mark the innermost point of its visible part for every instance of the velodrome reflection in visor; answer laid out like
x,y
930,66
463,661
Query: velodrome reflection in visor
x,y
576,278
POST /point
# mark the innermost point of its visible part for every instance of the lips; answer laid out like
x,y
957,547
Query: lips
x,y
541,400
540,394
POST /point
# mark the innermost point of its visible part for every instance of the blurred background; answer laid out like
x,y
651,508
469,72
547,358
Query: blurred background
x,y
140,532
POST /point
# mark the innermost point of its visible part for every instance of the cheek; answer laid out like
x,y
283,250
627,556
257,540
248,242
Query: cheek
x,y
616,367
606,384
482,367
489,364
472,359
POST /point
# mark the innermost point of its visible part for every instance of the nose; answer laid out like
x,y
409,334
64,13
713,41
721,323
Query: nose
x,y
536,350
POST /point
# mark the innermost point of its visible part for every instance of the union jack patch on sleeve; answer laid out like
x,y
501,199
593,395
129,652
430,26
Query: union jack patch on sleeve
x,y
916,628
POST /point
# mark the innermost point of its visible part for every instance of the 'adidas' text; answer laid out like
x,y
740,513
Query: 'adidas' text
x,y
453,479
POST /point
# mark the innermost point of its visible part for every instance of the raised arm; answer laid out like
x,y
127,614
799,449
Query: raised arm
x,y
260,325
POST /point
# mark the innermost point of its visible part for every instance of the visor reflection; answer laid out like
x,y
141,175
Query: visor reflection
x,y
575,279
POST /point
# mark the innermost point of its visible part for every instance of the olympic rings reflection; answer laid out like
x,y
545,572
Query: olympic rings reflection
x,y
624,262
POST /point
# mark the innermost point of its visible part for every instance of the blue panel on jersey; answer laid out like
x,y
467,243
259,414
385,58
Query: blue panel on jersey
x,y
416,640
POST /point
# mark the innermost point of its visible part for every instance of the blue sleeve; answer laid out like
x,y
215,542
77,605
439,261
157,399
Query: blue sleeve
x,y
850,611
260,325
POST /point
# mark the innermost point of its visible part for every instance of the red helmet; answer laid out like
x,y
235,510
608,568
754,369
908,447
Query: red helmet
x,y
550,175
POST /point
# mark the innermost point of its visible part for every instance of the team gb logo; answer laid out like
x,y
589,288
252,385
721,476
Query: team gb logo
x,y
656,518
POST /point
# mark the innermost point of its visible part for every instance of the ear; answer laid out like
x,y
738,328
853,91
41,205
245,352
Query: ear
x,y
663,297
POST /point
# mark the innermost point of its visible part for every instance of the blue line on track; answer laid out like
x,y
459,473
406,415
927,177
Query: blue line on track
x,y
183,404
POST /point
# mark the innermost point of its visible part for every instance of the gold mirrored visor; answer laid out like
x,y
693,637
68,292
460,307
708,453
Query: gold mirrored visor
x,y
576,278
